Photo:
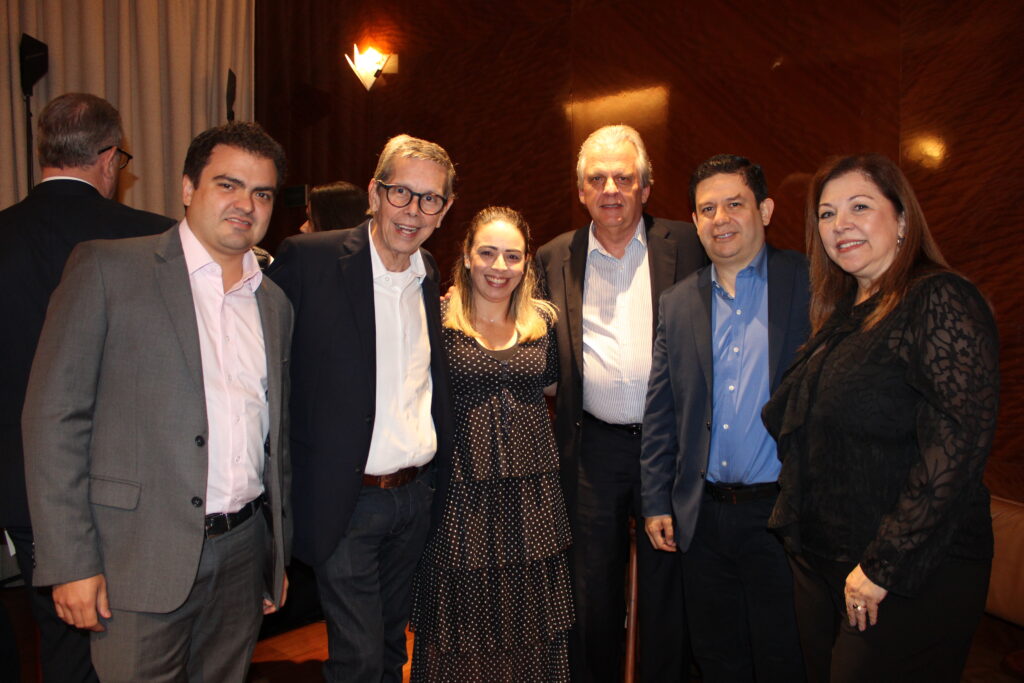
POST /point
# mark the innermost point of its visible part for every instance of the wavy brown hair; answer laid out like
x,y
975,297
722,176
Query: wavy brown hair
x,y
532,314
917,257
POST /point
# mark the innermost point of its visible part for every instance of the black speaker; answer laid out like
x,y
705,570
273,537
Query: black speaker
x,y
35,62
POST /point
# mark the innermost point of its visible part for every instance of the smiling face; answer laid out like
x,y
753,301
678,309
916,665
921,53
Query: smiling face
x,y
398,232
729,221
496,261
859,228
229,209
611,190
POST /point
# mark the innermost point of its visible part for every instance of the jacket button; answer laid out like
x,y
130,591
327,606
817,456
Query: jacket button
x,y
369,419
708,425
197,501
200,441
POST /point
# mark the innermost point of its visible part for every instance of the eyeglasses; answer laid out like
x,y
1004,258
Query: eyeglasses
x,y
400,196
125,156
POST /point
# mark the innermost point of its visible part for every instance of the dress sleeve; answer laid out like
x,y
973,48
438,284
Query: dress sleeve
x,y
950,346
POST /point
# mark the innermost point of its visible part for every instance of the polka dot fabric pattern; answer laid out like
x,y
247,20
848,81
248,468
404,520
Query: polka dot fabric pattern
x,y
492,597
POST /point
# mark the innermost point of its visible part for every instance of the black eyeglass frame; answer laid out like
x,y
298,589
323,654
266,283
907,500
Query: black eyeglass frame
x,y
418,195
127,157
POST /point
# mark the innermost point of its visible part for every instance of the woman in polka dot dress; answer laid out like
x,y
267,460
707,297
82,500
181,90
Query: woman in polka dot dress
x,y
492,598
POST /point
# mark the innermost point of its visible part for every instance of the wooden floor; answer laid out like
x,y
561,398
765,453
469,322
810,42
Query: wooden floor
x,y
296,656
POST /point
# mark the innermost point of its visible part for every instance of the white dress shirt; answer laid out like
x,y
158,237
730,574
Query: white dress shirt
x,y
403,427
617,330
234,376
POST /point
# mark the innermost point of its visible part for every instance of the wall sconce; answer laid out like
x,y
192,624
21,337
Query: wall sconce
x,y
370,64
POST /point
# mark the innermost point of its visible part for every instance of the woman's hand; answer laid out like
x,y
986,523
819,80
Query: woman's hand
x,y
862,599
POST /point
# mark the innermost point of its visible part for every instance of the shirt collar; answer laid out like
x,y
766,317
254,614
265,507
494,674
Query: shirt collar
x,y
639,235
758,267
197,258
416,268
69,177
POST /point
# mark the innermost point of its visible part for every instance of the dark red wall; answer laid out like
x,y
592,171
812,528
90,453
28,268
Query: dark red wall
x,y
512,88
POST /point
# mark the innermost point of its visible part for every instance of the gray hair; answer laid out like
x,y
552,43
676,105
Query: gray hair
x,y
612,136
74,127
407,147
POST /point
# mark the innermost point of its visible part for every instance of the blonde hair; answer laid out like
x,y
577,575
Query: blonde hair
x,y
532,314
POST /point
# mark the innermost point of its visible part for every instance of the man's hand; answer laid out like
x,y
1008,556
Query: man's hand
x,y
659,530
268,605
78,602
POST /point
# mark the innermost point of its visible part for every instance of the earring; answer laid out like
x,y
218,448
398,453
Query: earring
x,y
899,240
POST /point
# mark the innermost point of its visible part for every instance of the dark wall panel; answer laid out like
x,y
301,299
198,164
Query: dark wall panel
x,y
511,89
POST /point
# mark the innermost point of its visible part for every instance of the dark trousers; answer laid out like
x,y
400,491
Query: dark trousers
x,y
739,596
607,495
365,584
63,650
211,636
925,638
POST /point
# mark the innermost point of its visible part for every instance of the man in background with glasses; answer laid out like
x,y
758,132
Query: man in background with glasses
x,y
370,415
80,138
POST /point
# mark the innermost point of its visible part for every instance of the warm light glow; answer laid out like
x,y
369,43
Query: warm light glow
x,y
647,106
927,150
367,65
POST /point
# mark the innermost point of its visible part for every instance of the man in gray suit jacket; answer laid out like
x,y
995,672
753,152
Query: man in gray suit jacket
x,y
154,428
726,335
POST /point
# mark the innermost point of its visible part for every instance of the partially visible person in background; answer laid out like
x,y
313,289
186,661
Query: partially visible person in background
x,y
335,206
884,424
80,138
492,598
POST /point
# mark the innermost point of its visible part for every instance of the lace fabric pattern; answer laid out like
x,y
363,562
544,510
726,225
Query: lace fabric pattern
x,y
884,433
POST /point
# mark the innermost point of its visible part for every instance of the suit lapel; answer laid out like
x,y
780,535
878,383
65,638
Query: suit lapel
x,y
573,273
700,323
176,290
780,298
270,322
661,258
357,283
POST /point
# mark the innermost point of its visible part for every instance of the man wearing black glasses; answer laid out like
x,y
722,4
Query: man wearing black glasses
x,y
370,420
80,156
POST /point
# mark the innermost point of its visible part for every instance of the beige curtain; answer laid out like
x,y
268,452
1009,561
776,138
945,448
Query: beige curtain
x,y
163,63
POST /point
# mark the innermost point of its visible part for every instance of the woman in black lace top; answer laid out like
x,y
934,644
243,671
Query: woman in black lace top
x,y
884,424
491,597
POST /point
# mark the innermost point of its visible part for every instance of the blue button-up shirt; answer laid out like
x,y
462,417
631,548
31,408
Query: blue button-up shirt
x,y
742,452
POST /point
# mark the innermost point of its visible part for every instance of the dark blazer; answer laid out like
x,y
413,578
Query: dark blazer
x,y
116,428
673,250
677,419
36,236
329,278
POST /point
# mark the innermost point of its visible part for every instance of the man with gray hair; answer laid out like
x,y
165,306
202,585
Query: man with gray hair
x,y
606,278
371,421
80,152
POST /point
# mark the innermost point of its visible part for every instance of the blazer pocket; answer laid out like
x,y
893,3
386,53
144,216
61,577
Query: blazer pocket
x,y
115,493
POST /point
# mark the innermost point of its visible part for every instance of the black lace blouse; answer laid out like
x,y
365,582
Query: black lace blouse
x,y
883,435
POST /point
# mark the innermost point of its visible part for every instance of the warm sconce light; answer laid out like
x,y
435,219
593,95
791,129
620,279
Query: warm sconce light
x,y
369,64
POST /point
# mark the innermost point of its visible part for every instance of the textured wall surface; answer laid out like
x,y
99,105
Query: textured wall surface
x,y
511,89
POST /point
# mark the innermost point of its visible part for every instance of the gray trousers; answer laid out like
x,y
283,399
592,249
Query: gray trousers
x,y
210,638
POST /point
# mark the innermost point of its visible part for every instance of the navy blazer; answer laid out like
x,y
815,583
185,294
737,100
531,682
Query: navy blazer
x,y
677,418
673,252
329,278
37,234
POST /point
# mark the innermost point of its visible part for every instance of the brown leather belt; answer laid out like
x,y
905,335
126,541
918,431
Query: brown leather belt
x,y
393,480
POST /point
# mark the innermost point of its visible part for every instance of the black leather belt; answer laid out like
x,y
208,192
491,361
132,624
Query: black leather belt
x,y
393,480
633,429
740,493
223,522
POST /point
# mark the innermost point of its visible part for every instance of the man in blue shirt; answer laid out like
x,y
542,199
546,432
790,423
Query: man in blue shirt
x,y
726,335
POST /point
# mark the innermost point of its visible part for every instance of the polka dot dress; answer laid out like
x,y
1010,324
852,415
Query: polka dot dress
x,y
492,598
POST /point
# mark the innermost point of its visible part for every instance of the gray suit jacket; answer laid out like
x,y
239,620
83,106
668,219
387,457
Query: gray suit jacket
x,y
115,425
677,418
